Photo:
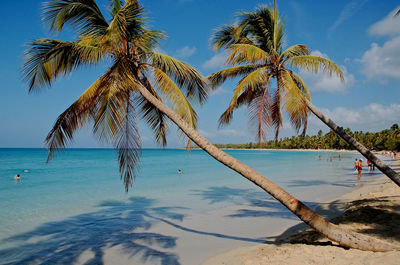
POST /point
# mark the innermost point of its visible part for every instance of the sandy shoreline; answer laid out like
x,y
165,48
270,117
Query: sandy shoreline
x,y
299,150
240,228
374,209
380,153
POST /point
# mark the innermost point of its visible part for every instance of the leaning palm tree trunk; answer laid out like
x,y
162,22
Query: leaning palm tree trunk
x,y
331,231
393,175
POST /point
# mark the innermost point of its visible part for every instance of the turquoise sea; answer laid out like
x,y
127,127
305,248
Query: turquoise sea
x,y
77,201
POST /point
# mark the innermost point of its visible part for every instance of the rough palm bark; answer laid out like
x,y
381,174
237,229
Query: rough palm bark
x,y
333,232
393,175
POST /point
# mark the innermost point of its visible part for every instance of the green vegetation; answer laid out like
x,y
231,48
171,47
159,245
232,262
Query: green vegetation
x,y
388,139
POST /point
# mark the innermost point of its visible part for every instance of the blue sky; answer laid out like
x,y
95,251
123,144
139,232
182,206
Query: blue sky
x,y
361,36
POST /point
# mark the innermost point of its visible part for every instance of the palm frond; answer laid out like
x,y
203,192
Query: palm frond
x,y
147,41
259,26
259,110
294,104
221,76
295,50
75,116
109,112
301,85
306,93
278,26
115,119
127,23
249,84
184,75
248,53
314,64
46,59
84,15
128,144
109,115
157,120
275,108
174,95
228,35
251,81
115,6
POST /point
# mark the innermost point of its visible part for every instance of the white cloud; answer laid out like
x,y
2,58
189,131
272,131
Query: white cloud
x,y
144,138
322,82
319,53
185,52
389,26
217,61
224,135
371,117
382,61
205,133
231,133
218,91
348,11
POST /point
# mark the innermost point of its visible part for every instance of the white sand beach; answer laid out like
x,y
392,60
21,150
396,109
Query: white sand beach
x,y
373,209
255,237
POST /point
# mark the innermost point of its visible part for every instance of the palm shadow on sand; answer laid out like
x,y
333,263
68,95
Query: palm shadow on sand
x,y
256,203
121,224
84,238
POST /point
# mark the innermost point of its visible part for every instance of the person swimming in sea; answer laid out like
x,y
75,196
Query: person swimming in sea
x,y
17,177
179,171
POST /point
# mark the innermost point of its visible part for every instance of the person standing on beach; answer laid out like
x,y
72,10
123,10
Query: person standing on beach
x,y
360,166
356,165
369,163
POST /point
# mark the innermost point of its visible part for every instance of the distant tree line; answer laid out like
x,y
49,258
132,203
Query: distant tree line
x,y
388,139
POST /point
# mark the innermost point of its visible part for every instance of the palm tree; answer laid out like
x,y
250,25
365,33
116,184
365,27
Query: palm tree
x,y
139,79
257,56
112,102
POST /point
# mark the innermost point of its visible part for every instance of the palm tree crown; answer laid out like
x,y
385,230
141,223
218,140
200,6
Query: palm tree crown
x,y
257,56
112,102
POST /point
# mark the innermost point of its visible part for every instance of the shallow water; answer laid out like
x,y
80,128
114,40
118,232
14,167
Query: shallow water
x,y
77,202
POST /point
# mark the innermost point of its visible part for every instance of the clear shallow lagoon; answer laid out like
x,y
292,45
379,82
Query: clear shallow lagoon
x,y
77,201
